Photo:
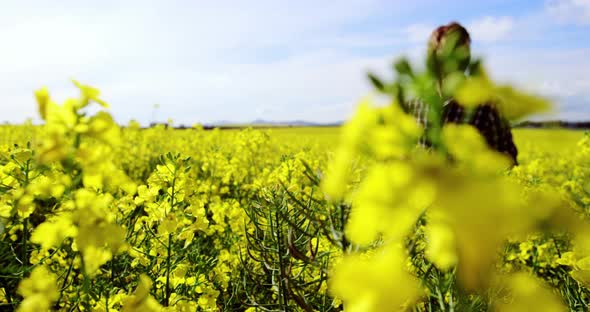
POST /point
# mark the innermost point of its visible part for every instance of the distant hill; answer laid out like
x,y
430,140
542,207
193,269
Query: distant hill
x,y
261,123
258,123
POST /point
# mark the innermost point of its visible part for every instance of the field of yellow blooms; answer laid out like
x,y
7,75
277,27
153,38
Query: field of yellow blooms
x,y
97,217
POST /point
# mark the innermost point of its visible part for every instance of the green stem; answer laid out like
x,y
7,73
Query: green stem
x,y
63,285
24,258
167,300
343,217
169,247
441,301
85,285
282,273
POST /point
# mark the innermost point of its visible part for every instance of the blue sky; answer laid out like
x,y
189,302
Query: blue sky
x,y
205,61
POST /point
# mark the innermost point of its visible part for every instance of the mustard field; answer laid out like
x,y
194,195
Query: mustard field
x,y
97,217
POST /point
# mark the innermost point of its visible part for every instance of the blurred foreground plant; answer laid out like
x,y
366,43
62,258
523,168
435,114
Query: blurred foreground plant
x,y
447,209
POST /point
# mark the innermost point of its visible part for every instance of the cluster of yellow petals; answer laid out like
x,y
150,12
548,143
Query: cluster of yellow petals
x,y
471,207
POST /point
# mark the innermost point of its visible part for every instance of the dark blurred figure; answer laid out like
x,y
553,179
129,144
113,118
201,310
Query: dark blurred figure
x,y
485,117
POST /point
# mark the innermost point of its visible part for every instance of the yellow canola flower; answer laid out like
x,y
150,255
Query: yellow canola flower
x,y
42,97
168,225
51,233
208,299
581,267
62,118
53,148
89,94
6,174
482,213
49,186
441,248
338,174
146,194
102,174
94,257
383,132
512,103
353,135
25,206
389,201
103,127
526,293
65,123
99,237
470,151
39,291
374,282
5,212
3,295
567,258
111,303
141,301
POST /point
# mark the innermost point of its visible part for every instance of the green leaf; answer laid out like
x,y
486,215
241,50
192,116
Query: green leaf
x,y
452,83
403,67
376,82
515,104
474,91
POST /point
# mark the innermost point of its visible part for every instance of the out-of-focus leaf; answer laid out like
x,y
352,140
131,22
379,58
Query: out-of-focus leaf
x,y
516,104
512,103
377,83
452,82
403,67
474,91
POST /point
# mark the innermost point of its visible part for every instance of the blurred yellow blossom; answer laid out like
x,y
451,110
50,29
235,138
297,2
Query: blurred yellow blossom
x,y
39,290
141,301
376,282
526,293
512,103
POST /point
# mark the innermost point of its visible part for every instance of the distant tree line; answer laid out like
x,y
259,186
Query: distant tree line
x,y
554,124
523,124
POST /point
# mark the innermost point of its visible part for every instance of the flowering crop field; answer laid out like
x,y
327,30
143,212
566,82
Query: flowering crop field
x,y
95,217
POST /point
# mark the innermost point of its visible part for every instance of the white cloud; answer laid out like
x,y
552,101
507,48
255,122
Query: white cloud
x,y
186,55
418,33
569,11
491,29
557,74
228,60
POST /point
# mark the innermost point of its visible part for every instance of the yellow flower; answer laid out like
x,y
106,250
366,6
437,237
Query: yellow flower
x,y
42,96
512,103
528,294
374,283
89,94
52,232
388,202
468,147
5,210
53,148
94,257
482,213
25,206
567,258
441,248
581,272
208,299
39,290
141,301
3,295
168,225
103,127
